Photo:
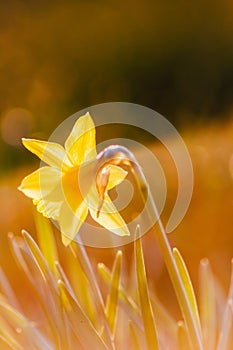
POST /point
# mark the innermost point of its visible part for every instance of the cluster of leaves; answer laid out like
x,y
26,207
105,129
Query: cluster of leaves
x,y
72,314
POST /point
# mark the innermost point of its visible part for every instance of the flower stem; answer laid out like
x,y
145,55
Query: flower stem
x,y
122,156
193,331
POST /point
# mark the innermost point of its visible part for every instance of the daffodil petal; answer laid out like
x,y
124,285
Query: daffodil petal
x,y
108,216
80,144
117,175
40,183
50,205
49,209
70,221
49,152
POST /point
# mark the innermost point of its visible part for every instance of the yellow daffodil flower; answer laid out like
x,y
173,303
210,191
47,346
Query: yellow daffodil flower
x,y
68,187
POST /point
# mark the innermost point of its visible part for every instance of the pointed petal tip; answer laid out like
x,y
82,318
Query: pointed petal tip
x,y
25,141
87,114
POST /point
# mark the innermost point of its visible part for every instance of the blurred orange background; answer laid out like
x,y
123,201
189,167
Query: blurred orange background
x,y
58,57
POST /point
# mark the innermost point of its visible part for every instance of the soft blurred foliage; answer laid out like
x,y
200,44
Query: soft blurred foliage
x,y
206,230
58,57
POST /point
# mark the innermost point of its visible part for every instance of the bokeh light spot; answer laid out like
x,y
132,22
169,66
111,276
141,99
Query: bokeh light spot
x,y
15,124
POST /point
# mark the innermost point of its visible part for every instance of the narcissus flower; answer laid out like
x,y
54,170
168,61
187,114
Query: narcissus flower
x,y
71,185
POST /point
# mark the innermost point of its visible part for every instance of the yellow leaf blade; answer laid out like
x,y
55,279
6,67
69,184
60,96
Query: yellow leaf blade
x,y
187,286
86,333
112,300
46,241
126,301
183,341
146,309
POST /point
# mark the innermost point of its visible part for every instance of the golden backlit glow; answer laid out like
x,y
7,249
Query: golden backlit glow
x,y
55,188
